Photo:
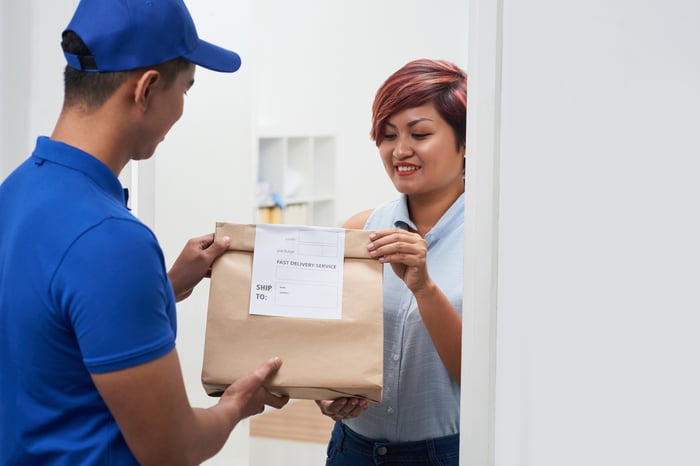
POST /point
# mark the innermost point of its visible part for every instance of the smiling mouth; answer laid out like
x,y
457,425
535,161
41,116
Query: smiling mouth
x,y
406,169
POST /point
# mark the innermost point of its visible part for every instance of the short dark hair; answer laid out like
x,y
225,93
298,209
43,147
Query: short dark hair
x,y
93,88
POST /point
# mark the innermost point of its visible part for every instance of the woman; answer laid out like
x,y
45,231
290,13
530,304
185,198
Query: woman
x,y
419,126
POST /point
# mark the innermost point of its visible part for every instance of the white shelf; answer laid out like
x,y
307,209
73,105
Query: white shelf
x,y
300,170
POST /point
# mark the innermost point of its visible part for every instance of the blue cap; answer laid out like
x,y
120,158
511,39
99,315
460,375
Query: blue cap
x,y
128,34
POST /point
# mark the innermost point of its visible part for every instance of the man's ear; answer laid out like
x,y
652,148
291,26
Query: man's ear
x,y
144,87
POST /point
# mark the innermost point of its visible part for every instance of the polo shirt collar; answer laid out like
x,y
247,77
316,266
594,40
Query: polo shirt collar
x,y
76,159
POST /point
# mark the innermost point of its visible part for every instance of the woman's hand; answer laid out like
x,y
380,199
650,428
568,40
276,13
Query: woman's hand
x,y
343,408
406,252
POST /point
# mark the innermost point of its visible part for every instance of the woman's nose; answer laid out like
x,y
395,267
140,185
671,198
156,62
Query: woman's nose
x,y
402,149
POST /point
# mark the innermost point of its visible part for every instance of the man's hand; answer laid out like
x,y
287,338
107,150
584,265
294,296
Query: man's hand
x,y
194,263
150,404
248,397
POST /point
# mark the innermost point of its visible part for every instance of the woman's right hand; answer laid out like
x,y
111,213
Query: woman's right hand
x,y
343,408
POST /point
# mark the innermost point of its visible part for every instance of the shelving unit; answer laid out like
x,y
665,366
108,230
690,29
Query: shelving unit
x,y
296,173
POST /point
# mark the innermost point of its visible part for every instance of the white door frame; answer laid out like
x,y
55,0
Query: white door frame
x,y
481,234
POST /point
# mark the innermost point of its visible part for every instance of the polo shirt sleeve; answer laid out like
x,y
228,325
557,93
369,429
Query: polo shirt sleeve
x,y
113,291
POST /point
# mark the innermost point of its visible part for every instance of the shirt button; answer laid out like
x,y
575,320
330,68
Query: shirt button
x,y
395,357
390,410
381,451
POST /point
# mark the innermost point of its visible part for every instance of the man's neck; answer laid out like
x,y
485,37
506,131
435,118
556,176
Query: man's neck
x,y
92,132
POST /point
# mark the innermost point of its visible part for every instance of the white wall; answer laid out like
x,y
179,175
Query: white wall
x,y
31,83
598,250
318,65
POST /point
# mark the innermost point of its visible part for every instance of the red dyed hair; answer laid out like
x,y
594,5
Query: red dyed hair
x,y
420,82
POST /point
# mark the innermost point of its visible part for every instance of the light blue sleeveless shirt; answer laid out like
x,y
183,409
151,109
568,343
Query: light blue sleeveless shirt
x,y
420,399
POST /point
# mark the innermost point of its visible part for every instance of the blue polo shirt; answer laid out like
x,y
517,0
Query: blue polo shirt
x,y
83,289
420,400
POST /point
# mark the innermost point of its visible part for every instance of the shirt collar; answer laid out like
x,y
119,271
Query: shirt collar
x,y
450,220
402,220
76,159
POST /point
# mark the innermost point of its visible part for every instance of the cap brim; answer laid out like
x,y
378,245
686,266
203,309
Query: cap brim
x,y
214,57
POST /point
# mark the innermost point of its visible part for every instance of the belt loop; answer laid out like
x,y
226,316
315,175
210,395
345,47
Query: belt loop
x,y
341,441
432,451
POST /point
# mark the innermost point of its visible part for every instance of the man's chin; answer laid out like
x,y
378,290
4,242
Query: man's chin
x,y
142,157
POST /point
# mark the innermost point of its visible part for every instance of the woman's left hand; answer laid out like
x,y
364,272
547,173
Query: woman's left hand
x,y
406,252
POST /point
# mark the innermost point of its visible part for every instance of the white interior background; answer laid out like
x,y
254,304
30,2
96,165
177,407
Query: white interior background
x,y
582,264
309,68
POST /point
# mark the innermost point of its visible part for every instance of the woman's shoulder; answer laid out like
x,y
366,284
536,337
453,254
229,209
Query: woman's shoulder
x,y
358,221
378,214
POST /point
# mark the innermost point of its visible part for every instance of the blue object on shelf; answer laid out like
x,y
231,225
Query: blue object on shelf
x,y
278,200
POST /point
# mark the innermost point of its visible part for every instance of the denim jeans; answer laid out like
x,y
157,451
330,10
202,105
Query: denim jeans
x,y
346,448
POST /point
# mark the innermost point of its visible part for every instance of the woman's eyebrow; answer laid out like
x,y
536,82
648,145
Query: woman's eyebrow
x,y
418,120
410,123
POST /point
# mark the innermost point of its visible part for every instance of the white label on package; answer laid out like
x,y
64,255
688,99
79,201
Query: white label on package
x,y
297,271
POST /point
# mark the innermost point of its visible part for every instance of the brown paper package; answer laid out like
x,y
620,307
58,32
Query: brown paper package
x,y
322,359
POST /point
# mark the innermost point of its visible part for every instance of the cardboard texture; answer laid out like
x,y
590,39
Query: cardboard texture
x,y
321,359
